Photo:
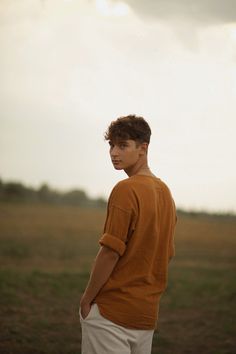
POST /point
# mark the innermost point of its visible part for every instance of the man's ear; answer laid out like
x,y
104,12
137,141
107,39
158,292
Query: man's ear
x,y
144,148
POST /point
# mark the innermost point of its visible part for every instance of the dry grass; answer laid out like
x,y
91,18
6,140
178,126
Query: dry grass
x,y
45,256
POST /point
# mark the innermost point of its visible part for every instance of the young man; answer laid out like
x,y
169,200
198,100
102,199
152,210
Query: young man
x,y
119,308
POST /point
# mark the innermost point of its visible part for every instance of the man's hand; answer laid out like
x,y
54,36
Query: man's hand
x,y
85,308
104,264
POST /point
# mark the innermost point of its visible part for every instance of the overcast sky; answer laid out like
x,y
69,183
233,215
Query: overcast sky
x,y
69,67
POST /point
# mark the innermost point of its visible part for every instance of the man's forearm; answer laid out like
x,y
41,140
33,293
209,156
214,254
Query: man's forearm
x,y
104,264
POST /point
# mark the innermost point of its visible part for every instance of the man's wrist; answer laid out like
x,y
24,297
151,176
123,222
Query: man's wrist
x,y
85,300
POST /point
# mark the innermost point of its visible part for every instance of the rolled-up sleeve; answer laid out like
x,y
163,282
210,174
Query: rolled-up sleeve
x,y
117,228
113,242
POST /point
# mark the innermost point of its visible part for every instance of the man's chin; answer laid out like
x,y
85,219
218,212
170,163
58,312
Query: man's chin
x,y
118,168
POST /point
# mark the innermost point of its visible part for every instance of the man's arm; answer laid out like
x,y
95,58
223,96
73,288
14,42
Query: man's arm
x,y
103,266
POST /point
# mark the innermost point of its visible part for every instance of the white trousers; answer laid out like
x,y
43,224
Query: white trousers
x,y
101,336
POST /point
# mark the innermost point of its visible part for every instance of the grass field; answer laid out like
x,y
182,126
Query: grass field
x,y
45,257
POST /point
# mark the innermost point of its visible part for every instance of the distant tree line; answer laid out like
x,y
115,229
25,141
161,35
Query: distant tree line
x,y
17,192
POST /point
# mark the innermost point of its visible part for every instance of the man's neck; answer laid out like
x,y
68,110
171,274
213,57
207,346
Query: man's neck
x,y
139,170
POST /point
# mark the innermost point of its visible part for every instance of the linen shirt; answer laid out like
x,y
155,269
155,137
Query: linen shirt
x,y
139,226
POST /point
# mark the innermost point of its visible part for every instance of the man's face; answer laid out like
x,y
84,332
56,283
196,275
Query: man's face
x,y
125,153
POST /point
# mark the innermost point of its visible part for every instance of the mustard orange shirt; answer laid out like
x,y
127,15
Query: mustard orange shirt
x,y
140,225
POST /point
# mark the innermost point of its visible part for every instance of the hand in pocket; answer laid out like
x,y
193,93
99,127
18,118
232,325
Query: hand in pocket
x,y
84,310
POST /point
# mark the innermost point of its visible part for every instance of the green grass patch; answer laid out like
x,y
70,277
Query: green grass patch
x,y
46,253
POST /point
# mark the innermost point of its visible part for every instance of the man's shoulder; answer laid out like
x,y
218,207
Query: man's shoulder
x,y
122,195
122,186
135,184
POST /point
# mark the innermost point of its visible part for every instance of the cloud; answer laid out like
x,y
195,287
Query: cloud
x,y
204,12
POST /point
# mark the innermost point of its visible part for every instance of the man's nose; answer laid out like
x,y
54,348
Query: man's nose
x,y
115,151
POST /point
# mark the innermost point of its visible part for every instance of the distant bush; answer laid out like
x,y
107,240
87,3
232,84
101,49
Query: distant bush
x,y
206,214
17,192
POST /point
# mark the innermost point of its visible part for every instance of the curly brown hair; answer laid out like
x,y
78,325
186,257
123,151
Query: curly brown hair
x,y
129,127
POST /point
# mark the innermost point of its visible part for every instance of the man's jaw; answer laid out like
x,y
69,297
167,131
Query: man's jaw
x,y
117,163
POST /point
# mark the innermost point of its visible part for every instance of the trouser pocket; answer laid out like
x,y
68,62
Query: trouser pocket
x,y
89,314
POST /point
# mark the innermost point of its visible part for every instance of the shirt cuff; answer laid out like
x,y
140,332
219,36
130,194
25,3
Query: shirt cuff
x,y
113,242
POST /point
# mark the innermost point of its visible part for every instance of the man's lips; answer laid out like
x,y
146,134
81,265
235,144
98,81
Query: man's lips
x,y
116,161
